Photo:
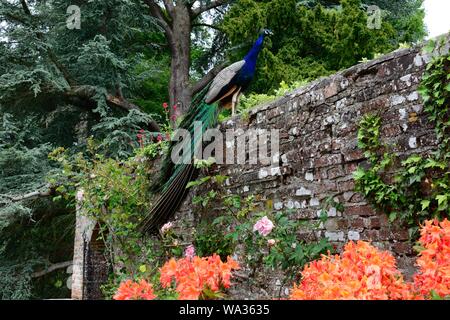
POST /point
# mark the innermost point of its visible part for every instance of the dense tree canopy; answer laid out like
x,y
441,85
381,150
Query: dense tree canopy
x,y
108,80
312,40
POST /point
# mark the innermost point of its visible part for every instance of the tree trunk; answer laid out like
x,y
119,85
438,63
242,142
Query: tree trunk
x,y
180,92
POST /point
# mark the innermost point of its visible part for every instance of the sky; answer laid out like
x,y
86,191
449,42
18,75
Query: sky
x,y
437,17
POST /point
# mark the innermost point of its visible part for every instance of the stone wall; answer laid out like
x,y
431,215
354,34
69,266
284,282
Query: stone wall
x,y
318,152
318,155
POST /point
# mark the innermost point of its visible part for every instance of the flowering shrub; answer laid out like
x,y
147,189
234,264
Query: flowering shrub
x,y
198,278
434,260
130,290
361,272
364,272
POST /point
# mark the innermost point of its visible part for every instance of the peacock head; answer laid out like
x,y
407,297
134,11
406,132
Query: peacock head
x,y
266,32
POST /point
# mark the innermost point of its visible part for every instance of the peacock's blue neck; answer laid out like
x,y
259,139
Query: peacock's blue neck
x,y
252,55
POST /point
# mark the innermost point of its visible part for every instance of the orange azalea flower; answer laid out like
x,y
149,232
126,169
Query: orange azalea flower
x,y
130,290
361,272
434,260
364,272
193,275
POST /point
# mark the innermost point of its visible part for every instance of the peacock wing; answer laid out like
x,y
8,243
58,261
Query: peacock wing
x,y
221,80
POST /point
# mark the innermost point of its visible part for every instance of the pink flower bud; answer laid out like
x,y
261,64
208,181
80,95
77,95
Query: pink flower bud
x,y
189,252
166,227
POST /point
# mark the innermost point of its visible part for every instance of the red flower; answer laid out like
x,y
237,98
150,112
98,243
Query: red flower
x,y
159,138
130,290
175,107
364,272
173,117
361,272
193,275
165,105
434,260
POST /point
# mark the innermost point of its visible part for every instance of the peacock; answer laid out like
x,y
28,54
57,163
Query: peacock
x,y
222,92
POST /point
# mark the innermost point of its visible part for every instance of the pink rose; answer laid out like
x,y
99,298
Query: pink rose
x,y
271,242
189,252
264,226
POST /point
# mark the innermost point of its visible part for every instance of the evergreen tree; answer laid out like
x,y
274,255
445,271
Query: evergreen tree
x,y
316,38
57,87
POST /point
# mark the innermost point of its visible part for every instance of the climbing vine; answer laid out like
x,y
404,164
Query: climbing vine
x,y
420,188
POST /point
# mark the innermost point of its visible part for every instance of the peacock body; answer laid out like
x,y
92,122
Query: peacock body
x,y
223,92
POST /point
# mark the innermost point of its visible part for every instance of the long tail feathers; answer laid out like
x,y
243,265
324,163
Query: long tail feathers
x,y
175,177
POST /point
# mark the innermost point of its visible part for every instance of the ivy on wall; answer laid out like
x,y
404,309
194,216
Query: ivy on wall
x,y
420,188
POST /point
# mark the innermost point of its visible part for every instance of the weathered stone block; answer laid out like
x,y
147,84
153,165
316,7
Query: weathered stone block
x,y
328,160
363,211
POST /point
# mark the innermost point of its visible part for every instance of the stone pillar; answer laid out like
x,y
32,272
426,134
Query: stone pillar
x,y
84,228
96,267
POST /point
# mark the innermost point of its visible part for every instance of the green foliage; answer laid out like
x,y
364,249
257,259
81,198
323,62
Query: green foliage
x,y
232,230
289,254
210,239
435,92
152,79
420,189
369,136
114,193
15,282
34,232
53,88
320,37
252,100
118,135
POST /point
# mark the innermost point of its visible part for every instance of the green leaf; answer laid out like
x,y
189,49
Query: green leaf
x,y
392,216
447,88
197,182
359,173
412,170
143,268
220,179
435,296
412,159
425,204
441,198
